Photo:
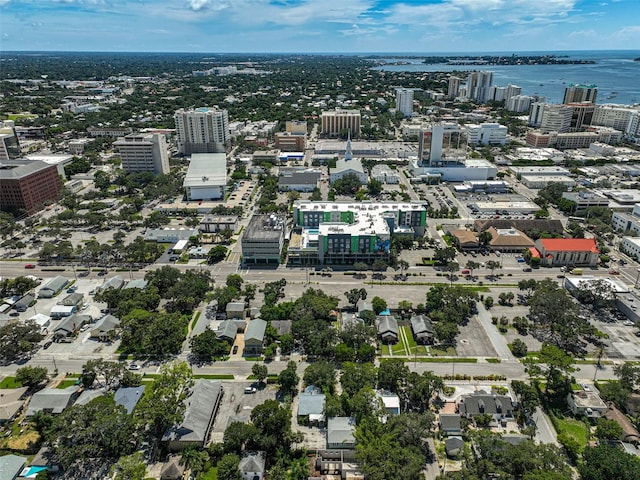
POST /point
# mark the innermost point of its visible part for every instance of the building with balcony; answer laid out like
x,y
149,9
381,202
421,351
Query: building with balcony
x,y
143,153
202,130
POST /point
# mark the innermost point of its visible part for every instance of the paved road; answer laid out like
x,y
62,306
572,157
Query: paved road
x,y
498,341
545,432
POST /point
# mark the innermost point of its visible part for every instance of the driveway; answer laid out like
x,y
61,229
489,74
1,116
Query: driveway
x,y
545,433
497,340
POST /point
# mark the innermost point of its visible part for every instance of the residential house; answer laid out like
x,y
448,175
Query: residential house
x,y
227,330
43,321
70,325
450,424
586,403
128,397
454,446
53,287
340,433
252,465
140,283
105,328
235,310
173,468
341,463
481,402
45,459
283,327
24,303
566,251
61,311
350,320
364,306
11,402
311,406
52,400
73,300
254,337
387,326
630,433
390,402
200,412
422,329
116,282
11,466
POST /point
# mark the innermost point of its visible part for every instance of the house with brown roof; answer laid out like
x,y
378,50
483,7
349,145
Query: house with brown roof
x,y
567,251
465,239
509,240
524,225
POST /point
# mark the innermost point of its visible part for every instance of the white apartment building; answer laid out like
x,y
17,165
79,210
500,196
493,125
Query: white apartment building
x,y
535,115
621,117
202,130
486,134
385,175
454,87
478,85
404,101
519,103
335,121
631,246
580,93
143,153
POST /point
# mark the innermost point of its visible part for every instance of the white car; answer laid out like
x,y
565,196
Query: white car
x,y
134,366
628,323
250,390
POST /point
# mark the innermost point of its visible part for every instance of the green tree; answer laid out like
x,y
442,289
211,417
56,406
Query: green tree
x,y
379,305
322,374
18,340
228,468
206,346
163,402
235,281
355,295
240,436
31,376
288,379
552,363
608,429
605,462
273,421
374,187
519,348
130,467
261,371
354,377
217,254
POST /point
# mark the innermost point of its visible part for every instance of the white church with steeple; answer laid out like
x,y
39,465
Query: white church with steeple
x,y
348,165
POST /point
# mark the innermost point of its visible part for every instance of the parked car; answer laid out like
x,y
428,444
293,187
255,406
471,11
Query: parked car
x,y
134,366
47,344
613,271
249,390
234,350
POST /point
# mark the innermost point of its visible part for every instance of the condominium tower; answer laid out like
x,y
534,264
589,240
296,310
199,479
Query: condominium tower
x,y
203,130
580,93
404,101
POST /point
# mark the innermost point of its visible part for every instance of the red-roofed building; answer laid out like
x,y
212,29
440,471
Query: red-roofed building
x,y
568,251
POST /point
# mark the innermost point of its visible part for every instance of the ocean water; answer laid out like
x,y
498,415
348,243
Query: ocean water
x,y
615,73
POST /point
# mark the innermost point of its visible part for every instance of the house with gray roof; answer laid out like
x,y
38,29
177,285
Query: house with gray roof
x,y
70,325
350,320
311,405
88,395
105,328
53,287
52,400
129,397
252,465
235,310
450,423
22,304
116,282
387,326
140,283
254,337
73,300
481,402
227,330
11,466
422,329
298,179
364,306
11,402
454,446
340,432
200,412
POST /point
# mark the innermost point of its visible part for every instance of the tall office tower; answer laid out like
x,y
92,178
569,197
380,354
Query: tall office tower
x,y
335,122
519,103
556,118
580,93
582,114
203,130
535,115
143,153
512,91
478,84
441,143
404,101
454,87
9,144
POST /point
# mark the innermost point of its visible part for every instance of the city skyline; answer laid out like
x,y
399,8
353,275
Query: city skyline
x,y
317,26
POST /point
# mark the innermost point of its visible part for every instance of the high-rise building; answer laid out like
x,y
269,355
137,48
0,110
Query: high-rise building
x,y
535,115
556,118
296,127
404,101
616,116
143,153
335,122
27,185
486,134
9,144
580,93
512,91
519,103
582,114
441,143
454,87
478,84
203,130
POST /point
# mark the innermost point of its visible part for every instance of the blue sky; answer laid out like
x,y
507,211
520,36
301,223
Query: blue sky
x,y
319,25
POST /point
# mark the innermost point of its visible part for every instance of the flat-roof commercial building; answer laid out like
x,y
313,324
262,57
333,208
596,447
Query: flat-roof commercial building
x,y
263,240
202,130
299,179
143,153
28,185
287,142
206,177
486,134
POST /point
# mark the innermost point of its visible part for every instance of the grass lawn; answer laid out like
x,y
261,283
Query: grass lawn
x,y
212,474
68,382
413,347
194,321
399,348
10,382
216,377
443,352
574,428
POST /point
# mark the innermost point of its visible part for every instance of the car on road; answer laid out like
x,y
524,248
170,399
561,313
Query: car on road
x,y
613,271
47,344
234,350
134,366
250,390
628,323
30,265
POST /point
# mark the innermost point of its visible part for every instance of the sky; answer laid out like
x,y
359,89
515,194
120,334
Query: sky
x,y
349,26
